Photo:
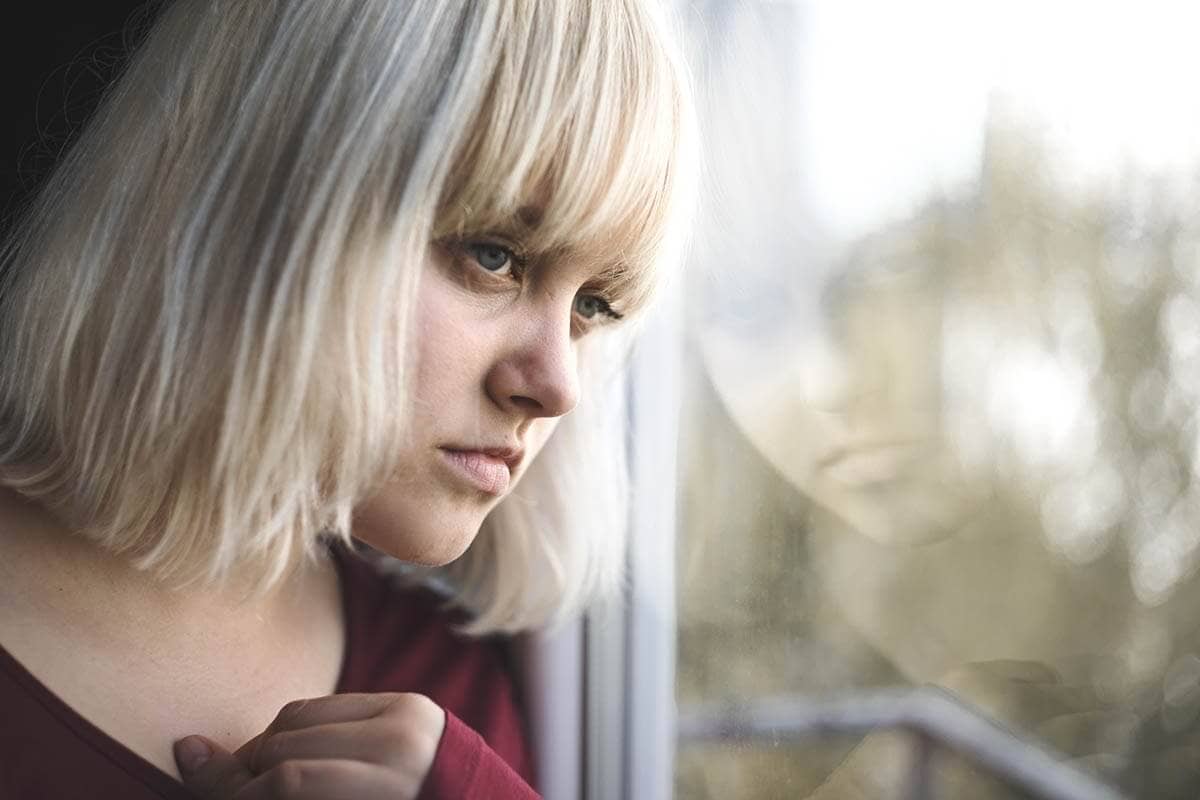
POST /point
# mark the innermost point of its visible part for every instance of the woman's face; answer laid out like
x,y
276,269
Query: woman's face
x,y
497,342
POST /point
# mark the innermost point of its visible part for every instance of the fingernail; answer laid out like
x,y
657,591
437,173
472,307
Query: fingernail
x,y
191,752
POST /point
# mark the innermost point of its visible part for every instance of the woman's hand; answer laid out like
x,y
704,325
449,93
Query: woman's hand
x,y
361,746
1029,698
1032,699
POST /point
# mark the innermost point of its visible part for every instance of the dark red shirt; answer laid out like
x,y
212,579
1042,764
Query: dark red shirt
x,y
397,640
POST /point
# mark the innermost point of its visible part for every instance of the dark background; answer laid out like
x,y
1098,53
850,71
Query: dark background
x,y
55,63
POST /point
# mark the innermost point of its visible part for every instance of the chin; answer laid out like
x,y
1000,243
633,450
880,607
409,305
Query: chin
x,y
424,551
428,544
905,519
442,552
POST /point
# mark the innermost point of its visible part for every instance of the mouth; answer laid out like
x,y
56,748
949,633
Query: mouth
x,y
871,464
487,469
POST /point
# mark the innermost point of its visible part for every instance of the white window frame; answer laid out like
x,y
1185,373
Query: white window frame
x,y
601,691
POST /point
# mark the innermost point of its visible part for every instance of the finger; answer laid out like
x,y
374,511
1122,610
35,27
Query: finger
x,y
329,779
333,708
211,772
1017,670
1047,701
381,741
355,741
314,711
1112,732
245,753
1020,704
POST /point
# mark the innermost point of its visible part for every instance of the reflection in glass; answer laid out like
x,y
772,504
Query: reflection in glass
x,y
946,435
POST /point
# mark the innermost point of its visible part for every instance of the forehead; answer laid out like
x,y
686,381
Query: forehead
x,y
575,145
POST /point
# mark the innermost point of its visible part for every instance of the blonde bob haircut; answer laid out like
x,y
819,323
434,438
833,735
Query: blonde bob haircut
x,y
205,315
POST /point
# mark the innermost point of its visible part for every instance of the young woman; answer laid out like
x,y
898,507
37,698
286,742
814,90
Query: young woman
x,y
320,281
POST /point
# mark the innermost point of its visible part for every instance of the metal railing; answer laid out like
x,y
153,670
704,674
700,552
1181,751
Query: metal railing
x,y
933,717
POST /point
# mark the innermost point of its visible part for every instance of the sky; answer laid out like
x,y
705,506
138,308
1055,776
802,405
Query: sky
x,y
894,96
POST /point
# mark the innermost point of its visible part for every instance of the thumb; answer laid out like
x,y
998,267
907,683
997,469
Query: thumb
x,y
209,771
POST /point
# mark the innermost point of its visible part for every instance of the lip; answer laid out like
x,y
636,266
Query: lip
x,y
489,470
870,464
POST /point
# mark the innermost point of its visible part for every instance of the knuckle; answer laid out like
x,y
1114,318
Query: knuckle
x,y
289,779
265,751
411,700
411,722
293,707
408,706
399,729
290,711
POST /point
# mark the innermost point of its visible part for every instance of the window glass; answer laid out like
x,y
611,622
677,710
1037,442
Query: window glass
x,y
942,375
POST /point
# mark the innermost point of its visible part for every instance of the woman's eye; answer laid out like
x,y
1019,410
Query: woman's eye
x,y
494,258
589,305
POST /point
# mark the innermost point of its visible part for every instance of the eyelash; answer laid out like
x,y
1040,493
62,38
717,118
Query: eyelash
x,y
517,263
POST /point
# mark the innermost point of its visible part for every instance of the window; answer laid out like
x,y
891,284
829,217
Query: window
x,y
939,344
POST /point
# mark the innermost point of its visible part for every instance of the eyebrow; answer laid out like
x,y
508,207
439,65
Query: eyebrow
x,y
530,216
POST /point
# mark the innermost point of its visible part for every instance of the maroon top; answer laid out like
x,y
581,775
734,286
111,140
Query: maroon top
x,y
397,640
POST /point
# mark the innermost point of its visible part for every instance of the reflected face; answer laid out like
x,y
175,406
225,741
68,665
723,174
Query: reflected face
x,y
854,419
497,348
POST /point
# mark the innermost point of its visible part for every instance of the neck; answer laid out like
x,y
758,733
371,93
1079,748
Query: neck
x,y
147,664
48,568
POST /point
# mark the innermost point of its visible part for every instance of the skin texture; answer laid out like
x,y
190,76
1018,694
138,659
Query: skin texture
x,y
160,664
353,745
496,368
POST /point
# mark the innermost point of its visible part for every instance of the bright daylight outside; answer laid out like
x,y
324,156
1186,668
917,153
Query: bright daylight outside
x,y
943,375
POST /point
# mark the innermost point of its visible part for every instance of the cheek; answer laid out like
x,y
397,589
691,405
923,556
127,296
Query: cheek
x,y
450,344
539,433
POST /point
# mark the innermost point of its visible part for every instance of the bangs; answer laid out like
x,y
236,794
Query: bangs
x,y
577,145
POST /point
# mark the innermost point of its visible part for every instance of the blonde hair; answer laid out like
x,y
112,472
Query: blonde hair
x,y
201,315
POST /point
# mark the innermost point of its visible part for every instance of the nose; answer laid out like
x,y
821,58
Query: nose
x,y
538,374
